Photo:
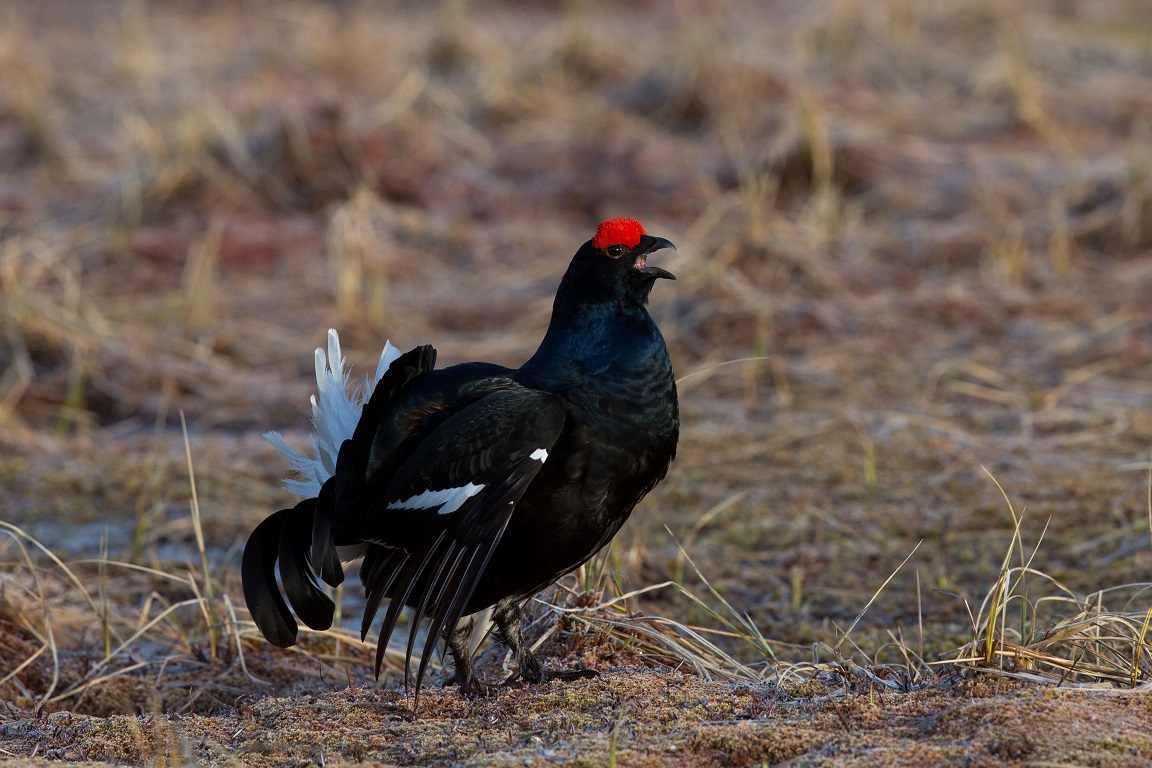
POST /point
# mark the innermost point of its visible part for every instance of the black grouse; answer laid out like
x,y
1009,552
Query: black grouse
x,y
476,486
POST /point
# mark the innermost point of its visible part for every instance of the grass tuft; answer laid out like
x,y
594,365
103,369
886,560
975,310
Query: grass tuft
x,y
1030,626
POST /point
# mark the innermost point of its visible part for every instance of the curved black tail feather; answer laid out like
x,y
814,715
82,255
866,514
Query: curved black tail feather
x,y
258,570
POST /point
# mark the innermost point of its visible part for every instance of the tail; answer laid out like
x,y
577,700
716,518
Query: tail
x,y
299,543
284,536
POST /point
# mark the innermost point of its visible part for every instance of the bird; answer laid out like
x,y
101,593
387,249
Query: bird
x,y
475,486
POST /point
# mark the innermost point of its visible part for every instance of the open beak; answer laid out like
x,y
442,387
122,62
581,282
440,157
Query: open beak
x,y
653,244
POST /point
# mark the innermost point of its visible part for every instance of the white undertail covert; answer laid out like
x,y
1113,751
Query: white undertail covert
x,y
336,409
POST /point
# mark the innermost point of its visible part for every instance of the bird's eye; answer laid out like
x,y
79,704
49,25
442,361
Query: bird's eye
x,y
614,251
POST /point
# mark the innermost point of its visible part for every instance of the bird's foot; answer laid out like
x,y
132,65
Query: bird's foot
x,y
541,675
568,675
473,687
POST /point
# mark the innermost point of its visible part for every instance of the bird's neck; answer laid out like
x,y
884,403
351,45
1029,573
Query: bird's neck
x,y
584,339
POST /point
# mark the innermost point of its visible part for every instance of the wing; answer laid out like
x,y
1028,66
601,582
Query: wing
x,y
410,401
441,517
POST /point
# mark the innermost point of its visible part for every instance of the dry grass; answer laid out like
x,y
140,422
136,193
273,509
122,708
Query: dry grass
x,y
914,242
1052,635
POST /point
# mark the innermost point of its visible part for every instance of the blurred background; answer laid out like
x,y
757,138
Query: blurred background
x,y
914,254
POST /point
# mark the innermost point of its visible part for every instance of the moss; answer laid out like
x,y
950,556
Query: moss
x,y
1133,746
804,689
752,743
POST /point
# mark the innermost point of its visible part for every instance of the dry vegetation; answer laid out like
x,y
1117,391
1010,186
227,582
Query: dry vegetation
x,y
909,521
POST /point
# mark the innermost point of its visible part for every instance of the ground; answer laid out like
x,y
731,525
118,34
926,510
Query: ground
x,y
908,523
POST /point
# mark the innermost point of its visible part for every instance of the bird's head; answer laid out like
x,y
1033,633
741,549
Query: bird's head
x,y
613,265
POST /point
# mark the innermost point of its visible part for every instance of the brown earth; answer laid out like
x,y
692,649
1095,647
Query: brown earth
x,y
911,322
628,717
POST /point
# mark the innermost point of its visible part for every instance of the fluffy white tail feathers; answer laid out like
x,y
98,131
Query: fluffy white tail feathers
x,y
336,409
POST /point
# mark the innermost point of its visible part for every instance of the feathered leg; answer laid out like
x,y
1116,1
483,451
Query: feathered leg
x,y
509,620
459,642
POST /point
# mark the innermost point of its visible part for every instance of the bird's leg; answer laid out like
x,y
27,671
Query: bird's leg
x,y
465,675
509,620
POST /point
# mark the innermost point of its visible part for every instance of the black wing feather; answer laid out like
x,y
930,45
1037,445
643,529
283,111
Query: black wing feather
x,y
438,584
378,572
459,589
405,583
